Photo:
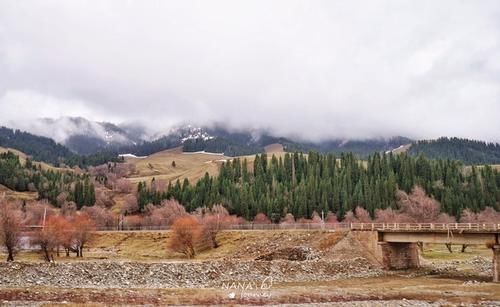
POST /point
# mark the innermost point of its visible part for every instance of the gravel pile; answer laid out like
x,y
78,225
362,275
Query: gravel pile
x,y
177,274
474,267
299,253
481,265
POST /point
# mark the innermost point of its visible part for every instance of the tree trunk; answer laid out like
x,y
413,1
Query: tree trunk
x,y
448,246
421,246
10,256
214,241
46,255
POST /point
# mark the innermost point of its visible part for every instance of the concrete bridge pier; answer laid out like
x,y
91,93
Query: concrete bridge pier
x,y
397,256
496,263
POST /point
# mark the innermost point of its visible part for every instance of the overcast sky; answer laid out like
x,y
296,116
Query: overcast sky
x,y
311,68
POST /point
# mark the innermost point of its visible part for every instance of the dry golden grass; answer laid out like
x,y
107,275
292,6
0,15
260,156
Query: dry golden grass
x,y
138,246
274,148
147,246
192,166
13,195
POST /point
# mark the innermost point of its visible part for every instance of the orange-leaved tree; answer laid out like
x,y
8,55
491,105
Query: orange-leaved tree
x,y
83,226
49,237
186,235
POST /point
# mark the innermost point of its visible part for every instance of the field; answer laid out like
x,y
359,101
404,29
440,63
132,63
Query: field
x,y
192,166
13,195
136,268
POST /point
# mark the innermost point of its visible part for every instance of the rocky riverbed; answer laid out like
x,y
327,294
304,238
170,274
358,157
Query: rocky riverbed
x,y
195,274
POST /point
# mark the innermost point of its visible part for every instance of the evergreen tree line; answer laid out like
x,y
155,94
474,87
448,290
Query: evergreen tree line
x,y
49,184
222,145
468,151
300,184
47,150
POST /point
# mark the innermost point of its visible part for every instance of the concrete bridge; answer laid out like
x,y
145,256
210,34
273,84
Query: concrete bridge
x,y
397,242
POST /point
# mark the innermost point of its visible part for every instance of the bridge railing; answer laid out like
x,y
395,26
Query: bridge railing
x,y
426,226
325,226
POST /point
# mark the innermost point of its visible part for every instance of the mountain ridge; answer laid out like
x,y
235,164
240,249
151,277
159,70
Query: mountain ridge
x,y
83,138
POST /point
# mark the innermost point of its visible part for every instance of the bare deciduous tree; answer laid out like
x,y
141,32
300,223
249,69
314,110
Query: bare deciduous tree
x,y
102,217
10,227
261,218
331,218
468,216
488,215
360,215
36,211
389,216
68,209
288,219
420,208
165,214
122,185
133,222
130,204
83,226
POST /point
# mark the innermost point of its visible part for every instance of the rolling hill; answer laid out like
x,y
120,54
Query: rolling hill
x,y
190,165
468,151
187,165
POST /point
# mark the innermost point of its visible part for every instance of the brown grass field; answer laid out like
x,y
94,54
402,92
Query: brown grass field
x,y
13,195
192,166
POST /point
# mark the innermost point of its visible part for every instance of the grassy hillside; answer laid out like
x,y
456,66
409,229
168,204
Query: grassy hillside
x,y
190,165
16,196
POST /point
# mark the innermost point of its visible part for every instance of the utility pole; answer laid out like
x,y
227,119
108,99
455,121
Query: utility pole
x,y
44,216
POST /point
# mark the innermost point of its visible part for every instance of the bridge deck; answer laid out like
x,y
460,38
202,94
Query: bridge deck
x,y
428,227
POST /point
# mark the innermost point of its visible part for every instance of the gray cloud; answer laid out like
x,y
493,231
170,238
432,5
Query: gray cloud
x,y
311,68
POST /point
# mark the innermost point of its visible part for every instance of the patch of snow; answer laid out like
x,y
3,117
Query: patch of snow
x,y
132,156
343,143
203,152
393,150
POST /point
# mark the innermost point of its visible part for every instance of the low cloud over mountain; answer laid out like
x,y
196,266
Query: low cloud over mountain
x,y
332,69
